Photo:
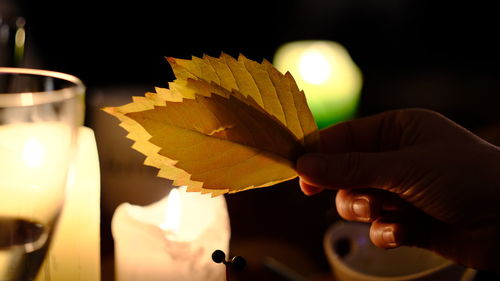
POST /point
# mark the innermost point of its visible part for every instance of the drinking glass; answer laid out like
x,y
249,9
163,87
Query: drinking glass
x,y
40,112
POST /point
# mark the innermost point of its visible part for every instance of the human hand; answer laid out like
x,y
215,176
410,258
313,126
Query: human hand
x,y
418,178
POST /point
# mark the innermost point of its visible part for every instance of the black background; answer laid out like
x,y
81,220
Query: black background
x,y
447,50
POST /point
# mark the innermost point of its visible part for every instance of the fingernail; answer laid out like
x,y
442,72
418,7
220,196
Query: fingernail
x,y
361,208
388,237
311,190
312,165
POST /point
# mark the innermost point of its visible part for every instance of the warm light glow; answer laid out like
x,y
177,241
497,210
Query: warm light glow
x,y
34,159
19,40
314,67
33,153
325,71
76,249
20,37
172,219
27,99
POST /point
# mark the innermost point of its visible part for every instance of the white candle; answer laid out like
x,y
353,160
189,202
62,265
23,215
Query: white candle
x,y
33,165
172,239
75,250
34,161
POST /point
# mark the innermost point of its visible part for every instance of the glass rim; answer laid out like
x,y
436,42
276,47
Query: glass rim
x,y
76,87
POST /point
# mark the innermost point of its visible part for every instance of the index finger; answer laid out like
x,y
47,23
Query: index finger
x,y
380,132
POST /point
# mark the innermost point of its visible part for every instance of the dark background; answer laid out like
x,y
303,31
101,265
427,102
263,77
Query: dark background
x,y
441,55
436,54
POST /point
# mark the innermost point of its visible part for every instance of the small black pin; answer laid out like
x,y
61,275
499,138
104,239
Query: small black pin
x,y
218,256
236,263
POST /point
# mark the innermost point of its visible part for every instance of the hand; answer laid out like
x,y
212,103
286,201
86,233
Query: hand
x,y
418,178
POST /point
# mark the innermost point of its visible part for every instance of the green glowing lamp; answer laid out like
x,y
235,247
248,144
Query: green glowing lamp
x,y
325,71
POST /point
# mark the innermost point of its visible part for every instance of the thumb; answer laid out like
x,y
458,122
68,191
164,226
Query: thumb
x,y
382,170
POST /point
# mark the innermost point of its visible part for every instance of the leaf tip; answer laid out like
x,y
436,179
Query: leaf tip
x,y
241,57
109,110
289,76
266,62
171,60
205,56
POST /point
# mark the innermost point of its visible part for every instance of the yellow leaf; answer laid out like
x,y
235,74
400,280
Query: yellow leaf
x,y
225,125
274,92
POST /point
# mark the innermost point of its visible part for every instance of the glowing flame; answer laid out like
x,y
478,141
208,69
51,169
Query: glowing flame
x,y
329,77
314,67
172,219
34,153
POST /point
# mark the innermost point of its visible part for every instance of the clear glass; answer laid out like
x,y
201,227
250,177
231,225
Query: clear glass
x,y
40,112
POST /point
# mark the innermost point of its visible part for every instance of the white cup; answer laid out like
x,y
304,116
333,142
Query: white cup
x,y
353,257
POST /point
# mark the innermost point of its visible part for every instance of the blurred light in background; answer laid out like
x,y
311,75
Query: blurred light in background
x,y
325,71
20,39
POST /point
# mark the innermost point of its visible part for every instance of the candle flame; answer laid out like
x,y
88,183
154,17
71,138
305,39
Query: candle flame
x,y
314,67
33,153
172,219
329,77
